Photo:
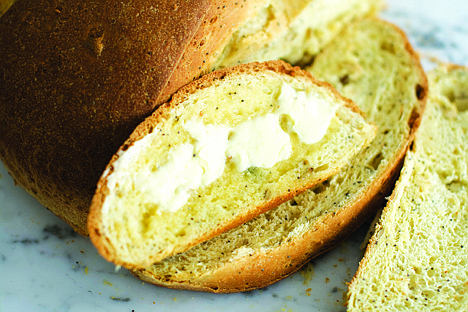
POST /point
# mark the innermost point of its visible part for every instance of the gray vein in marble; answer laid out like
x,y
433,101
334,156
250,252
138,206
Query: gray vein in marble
x,y
26,241
120,299
59,232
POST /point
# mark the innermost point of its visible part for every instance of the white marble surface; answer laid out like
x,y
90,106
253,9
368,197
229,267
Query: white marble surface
x,y
45,266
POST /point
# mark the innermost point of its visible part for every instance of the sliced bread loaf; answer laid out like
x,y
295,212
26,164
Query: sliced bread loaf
x,y
79,76
226,148
373,64
417,258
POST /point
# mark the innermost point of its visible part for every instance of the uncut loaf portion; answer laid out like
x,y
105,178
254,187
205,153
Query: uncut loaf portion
x,y
79,76
226,148
417,257
373,64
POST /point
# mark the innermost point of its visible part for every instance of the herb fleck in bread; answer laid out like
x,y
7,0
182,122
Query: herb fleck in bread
x,y
226,148
373,64
417,258
79,76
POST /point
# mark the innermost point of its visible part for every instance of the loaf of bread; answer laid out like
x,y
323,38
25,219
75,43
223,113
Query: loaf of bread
x,y
417,258
79,76
373,64
226,148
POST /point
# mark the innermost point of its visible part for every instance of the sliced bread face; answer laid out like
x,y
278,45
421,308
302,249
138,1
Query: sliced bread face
x,y
417,258
373,64
226,148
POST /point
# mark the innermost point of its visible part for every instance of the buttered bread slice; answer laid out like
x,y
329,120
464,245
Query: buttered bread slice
x,y
226,148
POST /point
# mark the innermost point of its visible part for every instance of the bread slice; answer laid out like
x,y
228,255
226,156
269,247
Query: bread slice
x,y
83,74
417,258
292,30
373,64
226,148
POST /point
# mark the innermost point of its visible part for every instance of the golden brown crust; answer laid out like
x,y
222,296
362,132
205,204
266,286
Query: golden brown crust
x,y
162,113
222,18
263,269
79,76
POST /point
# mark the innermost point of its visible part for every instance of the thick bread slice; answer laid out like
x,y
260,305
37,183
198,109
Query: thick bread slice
x,y
79,76
417,259
226,148
372,63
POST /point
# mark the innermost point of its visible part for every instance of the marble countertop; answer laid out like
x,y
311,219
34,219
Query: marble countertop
x,y
45,266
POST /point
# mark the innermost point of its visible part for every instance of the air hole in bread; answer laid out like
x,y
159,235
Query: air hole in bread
x,y
459,99
319,188
450,95
375,162
455,187
415,117
420,92
388,46
321,168
344,80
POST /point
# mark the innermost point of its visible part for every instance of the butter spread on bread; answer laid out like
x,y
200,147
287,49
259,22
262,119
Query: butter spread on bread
x,y
417,258
258,142
142,212
373,64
